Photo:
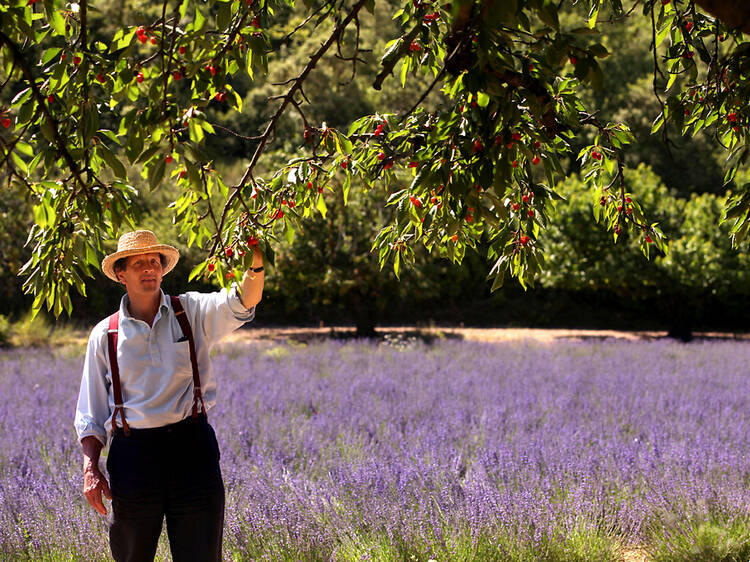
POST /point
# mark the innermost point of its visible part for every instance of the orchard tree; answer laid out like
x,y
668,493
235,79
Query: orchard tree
x,y
484,164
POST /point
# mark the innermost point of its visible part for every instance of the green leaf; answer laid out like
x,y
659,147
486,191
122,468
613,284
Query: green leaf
x,y
156,173
223,16
48,130
548,14
594,13
320,205
50,54
117,167
199,20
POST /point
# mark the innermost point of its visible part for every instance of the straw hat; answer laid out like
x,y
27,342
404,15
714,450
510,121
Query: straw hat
x,y
135,243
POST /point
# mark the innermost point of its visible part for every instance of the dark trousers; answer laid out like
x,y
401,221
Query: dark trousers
x,y
171,472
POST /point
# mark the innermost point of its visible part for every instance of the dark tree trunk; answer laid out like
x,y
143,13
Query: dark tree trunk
x,y
364,315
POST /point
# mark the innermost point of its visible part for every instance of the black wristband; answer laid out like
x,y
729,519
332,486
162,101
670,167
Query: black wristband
x,y
256,269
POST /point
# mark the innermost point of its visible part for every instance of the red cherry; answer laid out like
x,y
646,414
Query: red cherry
x,y
664,2
525,198
381,155
230,275
50,98
252,241
509,145
478,146
531,67
619,208
309,185
140,30
183,173
320,189
168,159
537,144
429,18
388,165
177,75
732,117
628,200
143,38
343,164
255,23
454,237
689,26
516,206
154,41
182,50
279,214
101,78
63,56
211,267
515,163
523,240
629,210
139,77
648,239
573,60
535,161
414,47
76,60
6,122
211,69
413,164
469,218
516,136
229,252
530,213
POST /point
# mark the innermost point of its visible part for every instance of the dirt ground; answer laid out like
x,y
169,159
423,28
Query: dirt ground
x,y
543,335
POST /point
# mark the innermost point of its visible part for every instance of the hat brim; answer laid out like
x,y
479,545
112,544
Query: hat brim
x,y
169,252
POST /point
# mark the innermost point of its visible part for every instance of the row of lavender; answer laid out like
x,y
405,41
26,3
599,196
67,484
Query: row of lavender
x,y
460,450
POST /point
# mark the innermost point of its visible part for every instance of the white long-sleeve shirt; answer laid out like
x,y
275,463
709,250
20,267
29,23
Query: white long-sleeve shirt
x,y
155,371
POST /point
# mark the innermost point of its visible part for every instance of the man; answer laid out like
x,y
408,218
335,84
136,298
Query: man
x,y
150,396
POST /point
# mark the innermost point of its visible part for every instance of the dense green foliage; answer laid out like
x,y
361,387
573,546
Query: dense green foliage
x,y
198,114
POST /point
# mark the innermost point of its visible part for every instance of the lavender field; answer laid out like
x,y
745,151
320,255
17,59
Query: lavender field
x,y
455,451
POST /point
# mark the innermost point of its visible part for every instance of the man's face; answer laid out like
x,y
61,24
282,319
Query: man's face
x,y
142,274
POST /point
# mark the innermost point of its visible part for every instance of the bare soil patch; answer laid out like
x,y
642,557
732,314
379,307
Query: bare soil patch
x,y
542,335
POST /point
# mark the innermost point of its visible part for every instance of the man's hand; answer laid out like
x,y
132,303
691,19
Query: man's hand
x,y
94,483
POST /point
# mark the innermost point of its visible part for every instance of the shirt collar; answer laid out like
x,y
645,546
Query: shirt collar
x,y
125,301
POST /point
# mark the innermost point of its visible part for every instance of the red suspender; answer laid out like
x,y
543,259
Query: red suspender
x,y
115,369
114,321
187,331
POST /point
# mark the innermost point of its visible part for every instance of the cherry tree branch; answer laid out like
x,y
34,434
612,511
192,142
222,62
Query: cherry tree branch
x,y
287,99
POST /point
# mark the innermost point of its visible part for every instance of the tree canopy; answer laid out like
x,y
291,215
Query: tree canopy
x,y
94,112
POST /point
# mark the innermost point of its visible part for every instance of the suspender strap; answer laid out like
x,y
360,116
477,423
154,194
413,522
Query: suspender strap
x,y
187,331
114,321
